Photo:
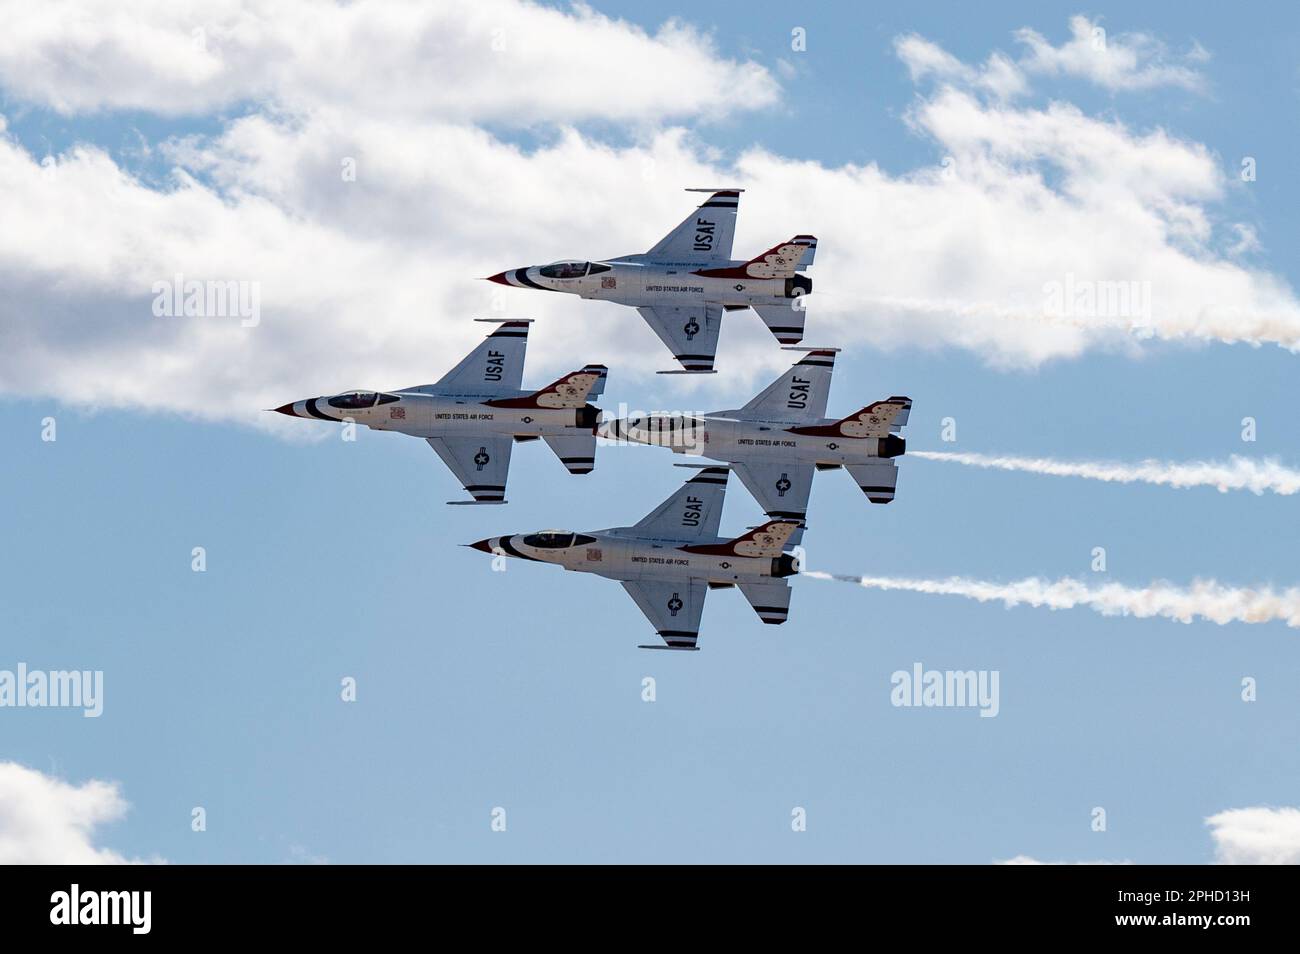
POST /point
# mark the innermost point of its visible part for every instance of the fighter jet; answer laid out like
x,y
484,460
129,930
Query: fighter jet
x,y
475,412
778,440
671,559
683,285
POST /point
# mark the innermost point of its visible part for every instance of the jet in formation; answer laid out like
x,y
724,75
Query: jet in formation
x,y
473,415
686,282
777,441
670,560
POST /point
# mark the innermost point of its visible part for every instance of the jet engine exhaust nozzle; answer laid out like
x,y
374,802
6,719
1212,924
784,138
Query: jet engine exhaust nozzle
x,y
892,446
785,565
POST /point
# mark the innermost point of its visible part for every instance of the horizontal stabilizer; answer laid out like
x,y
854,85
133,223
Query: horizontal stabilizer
x,y
577,452
877,480
784,321
771,600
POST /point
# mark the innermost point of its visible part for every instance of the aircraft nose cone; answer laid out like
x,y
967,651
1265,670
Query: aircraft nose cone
x,y
484,545
287,409
499,278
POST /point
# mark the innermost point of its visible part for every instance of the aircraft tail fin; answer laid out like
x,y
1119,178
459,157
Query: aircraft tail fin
x,y
809,243
764,542
570,391
779,261
876,420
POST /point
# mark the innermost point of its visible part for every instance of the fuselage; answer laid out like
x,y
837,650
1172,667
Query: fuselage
x,y
733,439
638,281
426,415
621,554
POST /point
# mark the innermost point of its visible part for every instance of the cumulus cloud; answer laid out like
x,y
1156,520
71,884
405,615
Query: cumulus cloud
x,y
926,60
46,821
1242,836
370,283
1127,61
1256,836
510,61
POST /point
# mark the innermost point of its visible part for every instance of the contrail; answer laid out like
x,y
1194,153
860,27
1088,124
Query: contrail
x,y
1204,599
1236,473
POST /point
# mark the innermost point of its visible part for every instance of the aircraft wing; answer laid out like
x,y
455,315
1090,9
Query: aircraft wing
x,y
479,463
495,367
781,489
691,333
692,513
705,235
798,395
673,607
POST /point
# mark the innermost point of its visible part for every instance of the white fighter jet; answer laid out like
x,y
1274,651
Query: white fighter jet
x,y
683,285
777,441
476,411
671,559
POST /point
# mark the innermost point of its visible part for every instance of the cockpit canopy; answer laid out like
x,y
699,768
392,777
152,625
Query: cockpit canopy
x,y
571,269
556,539
357,400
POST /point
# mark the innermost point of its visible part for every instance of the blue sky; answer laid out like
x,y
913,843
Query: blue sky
x,y
523,689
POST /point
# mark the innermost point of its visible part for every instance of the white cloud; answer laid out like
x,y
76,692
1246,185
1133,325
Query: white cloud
x,y
1124,62
1242,836
1256,836
1026,860
924,59
371,283
46,821
510,61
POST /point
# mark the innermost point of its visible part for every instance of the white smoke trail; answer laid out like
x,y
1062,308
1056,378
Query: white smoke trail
x,y
1236,473
1204,599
